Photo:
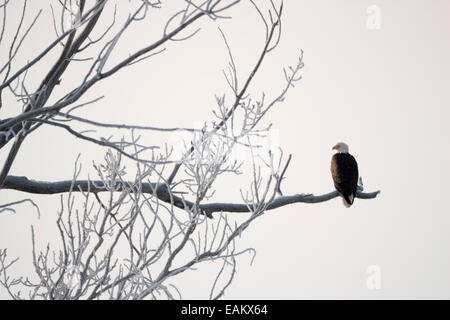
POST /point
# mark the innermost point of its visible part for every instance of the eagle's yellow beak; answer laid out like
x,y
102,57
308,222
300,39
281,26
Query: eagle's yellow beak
x,y
334,148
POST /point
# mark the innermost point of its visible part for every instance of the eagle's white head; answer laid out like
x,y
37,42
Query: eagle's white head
x,y
341,147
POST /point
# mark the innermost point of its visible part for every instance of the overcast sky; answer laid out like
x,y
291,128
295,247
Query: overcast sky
x,y
382,86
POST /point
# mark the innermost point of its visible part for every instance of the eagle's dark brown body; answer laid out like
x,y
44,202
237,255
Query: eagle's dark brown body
x,y
344,171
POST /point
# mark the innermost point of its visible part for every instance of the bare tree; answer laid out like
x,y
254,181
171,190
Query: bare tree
x,y
160,221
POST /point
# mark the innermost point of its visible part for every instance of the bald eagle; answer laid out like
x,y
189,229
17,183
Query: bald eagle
x,y
344,171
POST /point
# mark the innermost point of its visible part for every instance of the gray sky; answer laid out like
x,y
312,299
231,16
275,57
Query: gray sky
x,y
385,92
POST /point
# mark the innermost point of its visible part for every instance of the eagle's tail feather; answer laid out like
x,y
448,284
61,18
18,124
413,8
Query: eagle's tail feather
x,y
348,200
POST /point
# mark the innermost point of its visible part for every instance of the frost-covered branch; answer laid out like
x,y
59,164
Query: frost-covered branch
x,y
78,40
42,187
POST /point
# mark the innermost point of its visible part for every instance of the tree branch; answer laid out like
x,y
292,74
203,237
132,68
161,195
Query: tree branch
x,y
41,187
